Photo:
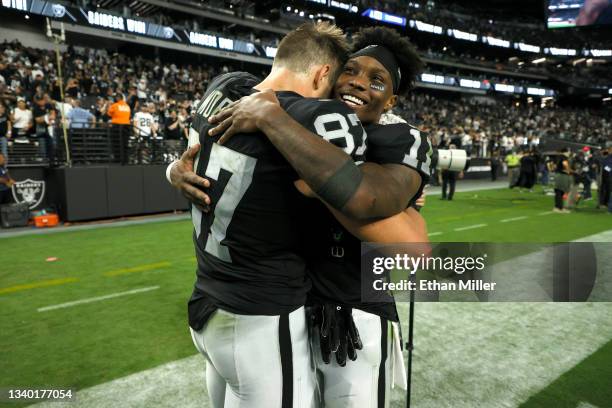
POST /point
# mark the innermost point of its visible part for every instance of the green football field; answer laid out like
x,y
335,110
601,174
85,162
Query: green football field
x,y
108,316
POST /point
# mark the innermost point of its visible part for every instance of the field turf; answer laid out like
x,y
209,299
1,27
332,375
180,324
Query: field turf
x,y
86,344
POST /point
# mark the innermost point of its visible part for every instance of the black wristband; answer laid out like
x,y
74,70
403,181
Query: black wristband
x,y
341,186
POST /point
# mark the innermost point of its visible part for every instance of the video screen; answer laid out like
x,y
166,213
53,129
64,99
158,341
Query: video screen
x,y
572,13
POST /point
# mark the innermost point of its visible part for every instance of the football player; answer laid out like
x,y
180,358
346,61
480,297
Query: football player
x,y
382,67
246,311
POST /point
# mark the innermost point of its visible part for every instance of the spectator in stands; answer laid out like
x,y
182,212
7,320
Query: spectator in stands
x,y
100,110
142,88
21,119
144,125
174,128
79,118
5,130
132,100
467,141
562,181
63,108
119,112
6,182
44,117
72,88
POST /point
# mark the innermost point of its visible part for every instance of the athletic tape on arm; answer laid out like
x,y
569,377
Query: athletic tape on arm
x,y
169,169
341,186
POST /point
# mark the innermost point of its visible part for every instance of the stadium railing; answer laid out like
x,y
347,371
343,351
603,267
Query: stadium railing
x,y
98,145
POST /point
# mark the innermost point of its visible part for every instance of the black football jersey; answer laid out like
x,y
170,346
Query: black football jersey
x,y
247,245
333,254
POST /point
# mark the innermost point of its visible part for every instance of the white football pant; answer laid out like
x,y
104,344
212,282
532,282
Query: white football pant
x,y
367,381
257,361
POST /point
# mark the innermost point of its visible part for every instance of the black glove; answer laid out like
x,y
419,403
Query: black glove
x,y
337,332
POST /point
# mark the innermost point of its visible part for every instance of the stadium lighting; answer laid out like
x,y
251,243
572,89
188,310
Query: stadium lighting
x,y
426,27
538,61
462,35
601,53
607,99
560,51
385,17
504,88
436,79
527,47
578,61
469,83
497,42
536,91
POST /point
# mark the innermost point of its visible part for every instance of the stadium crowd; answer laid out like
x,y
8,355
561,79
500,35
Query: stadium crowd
x,y
161,97
481,125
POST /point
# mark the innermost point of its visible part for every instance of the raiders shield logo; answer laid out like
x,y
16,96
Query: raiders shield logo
x,y
29,191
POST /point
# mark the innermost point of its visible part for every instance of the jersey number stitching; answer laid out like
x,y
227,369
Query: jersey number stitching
x,y
241,168
330,135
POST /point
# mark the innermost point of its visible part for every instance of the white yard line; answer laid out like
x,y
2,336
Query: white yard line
x,y
96,299
471,227
514,219
433,234
546,213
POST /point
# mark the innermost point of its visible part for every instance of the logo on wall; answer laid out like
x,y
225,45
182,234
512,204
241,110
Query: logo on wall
x,y
29,191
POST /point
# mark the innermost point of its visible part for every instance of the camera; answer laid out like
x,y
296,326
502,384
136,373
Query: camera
x,y
452,159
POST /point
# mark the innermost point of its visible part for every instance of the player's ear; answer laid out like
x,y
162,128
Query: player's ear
x,y
390,102
321,77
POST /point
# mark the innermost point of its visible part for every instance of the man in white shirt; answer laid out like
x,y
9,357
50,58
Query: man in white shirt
x,y
144,125
466,142
22,119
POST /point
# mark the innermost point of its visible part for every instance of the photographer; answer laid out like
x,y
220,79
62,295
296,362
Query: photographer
x,y
449,179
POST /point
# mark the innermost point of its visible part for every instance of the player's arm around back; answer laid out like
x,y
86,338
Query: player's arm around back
x,y
361,192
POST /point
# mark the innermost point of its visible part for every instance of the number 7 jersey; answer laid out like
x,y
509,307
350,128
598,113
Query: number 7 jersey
x,y
248,244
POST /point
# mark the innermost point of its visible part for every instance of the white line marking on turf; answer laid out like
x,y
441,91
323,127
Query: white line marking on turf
x,y
96,299
514,219
471,227
433,234
546,213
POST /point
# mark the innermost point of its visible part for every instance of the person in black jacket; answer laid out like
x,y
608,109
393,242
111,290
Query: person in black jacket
x,y
605,186
528,172
494,164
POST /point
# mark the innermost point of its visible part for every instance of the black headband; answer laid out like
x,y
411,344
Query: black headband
x,y
386,58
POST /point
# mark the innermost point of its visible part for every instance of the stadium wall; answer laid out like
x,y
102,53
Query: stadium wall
x,y
97,192
29,36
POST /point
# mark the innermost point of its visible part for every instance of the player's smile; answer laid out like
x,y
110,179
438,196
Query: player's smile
x,y
365,86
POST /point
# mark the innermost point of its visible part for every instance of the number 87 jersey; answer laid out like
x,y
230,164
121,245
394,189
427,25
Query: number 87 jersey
x,y
247,245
